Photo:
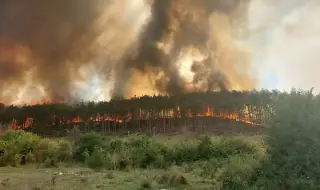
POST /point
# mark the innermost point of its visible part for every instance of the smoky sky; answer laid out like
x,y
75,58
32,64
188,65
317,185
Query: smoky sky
x,y
47,42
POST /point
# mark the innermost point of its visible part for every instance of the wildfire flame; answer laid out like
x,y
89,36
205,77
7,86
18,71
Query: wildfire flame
x,y
118,119
28,123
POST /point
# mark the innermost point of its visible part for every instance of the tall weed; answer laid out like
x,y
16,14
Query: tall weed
x,y
87,143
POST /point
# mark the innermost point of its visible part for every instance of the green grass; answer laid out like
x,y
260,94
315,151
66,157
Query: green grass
x,y
217,172
134,162
25,178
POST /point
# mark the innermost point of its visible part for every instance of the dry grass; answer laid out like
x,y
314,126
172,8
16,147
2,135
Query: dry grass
x,y
186,176
31,178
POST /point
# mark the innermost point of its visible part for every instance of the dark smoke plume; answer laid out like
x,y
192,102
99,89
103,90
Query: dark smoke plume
x,y
56,32
44,44
188,25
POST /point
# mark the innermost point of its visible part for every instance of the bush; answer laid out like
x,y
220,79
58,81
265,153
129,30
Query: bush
x,y
48,152
11,158
228,146
15,145
64,151
294,145
184,153
136,151
96,159
51,152
207,148
88,142
146,184
145,151
100,158
3,148
237,172
24,142
31,158
173,179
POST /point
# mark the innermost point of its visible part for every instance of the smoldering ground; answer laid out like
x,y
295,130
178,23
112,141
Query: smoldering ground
x,y
137,47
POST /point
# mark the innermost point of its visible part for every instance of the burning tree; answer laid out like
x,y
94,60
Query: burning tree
x,y
146,113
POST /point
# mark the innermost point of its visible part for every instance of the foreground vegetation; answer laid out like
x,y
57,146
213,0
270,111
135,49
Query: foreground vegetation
x,y
85,179
215,162
287,158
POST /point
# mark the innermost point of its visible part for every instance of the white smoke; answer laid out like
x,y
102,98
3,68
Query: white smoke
x,y
286,39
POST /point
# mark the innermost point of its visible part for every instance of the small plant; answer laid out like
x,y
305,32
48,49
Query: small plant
x,y
109,175
173,179
30,158
235,145
48,150
206,150
145,151
64,151
12,158
50,162
5,183
184,153
3,149
97,159
88,142
237,172
146,184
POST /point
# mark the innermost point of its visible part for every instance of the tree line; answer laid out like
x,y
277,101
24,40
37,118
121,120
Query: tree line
x,y
158,112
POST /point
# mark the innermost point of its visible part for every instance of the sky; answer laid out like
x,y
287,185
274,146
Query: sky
x,y
285,39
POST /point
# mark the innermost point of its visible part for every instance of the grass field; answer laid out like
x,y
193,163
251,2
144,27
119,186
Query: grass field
x,y
31,178
202,174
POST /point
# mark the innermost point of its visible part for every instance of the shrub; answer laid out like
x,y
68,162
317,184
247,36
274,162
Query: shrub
x,y
146,184
96,159
64,151
3,148
11,158
173,179
20,147
51,152
145,151
30,158
210,168
183,153
294,146
235,145
207,148
88,142
15,145
115,146
136,151
48,152
50,162
24,142
237,172
11,155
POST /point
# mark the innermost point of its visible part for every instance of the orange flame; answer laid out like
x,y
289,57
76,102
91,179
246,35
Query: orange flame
x,y
224,115
118,119
28,123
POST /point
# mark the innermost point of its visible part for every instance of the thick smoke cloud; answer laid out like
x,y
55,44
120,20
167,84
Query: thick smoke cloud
x,y
55,32
141,46
286,40
182,28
